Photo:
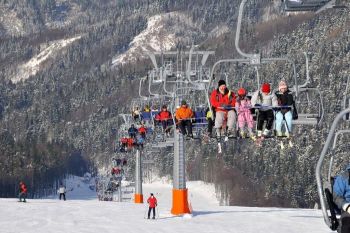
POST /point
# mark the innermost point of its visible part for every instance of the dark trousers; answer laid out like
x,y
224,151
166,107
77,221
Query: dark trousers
x,y
166,124
63,195
154,212
265,116
344,226
185,124
211,124
23,196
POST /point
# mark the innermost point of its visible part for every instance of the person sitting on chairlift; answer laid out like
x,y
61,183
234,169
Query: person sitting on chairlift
x,y
341,197
132,131
143,131
224,100
147,108
264,100
285,99
166,120
136,114
243,106
209,117
184,115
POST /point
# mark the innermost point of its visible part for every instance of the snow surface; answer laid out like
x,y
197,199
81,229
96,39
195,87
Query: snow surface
x,y
82,212
154,38
33,65
161,34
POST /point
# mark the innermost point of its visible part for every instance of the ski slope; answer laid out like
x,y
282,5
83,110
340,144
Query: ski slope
x,y
82,212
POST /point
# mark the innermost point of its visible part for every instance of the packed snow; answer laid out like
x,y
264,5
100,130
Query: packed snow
x,y
82,212
33,65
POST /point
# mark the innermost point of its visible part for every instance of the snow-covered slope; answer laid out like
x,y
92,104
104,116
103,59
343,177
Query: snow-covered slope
x,y
161,34
33,65
90,215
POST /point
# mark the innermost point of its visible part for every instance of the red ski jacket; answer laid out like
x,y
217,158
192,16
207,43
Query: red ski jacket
x,y
163,116
142,130
152,201
222,101
23,188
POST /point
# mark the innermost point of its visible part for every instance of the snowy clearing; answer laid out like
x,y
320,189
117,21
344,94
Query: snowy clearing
x,y
82,212
33,65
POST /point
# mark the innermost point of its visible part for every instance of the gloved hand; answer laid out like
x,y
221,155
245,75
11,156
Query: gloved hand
x,y
226,106
346,207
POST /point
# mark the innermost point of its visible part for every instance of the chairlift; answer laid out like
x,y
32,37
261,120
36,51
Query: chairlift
x,y
325,194
309,102
346,99
310,5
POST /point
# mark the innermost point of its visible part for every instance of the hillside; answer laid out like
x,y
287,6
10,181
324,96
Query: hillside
x,y
68,68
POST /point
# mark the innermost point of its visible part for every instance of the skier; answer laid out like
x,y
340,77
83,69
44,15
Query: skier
x,y
184,115
224,100
136,114
341,198
164,117
22,191
243,106
285,99
152,202
143,131
140,141
209,117
132,131
264,100
62,191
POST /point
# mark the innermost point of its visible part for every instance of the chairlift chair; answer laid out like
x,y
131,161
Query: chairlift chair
x,y
346,99
324,194
310,107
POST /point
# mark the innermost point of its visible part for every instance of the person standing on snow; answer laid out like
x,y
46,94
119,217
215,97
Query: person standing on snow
x,y
22,191
62,191
152,202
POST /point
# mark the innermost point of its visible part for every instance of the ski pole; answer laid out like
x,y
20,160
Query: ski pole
x,y
146,213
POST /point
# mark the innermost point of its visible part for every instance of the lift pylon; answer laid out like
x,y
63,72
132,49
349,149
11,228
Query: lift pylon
x,y
138,178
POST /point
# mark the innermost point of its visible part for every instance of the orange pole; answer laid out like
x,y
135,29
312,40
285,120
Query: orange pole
x,y
180,203
138,198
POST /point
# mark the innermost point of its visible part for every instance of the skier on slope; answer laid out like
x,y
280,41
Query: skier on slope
x,y
22,191
62,192
152,202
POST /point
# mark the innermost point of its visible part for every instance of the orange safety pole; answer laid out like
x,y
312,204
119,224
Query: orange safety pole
x,y
138,198
180,203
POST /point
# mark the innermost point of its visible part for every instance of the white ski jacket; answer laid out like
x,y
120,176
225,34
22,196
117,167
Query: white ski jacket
x,y
62,189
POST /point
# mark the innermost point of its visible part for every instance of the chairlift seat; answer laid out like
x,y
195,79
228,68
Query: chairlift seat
x,y
333,209
146,116
304,5
154,113
308,115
